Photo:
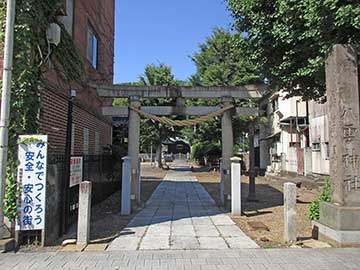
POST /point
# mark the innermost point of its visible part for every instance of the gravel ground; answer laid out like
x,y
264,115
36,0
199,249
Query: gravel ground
x,y
269,209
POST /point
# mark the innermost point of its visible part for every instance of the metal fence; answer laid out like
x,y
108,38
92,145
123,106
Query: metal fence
x,y
104,171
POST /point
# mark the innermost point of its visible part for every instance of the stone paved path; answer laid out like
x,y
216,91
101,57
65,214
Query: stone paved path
x,y
243,259
181,215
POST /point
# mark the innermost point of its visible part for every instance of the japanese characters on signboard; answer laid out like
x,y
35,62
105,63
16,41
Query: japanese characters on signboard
x,y
76,171
32,155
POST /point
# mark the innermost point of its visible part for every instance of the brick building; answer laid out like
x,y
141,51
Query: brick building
x,y
91,24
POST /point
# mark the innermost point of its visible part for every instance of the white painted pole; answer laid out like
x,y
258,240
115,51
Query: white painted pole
x,y
126,187
235,186
5,103
151,155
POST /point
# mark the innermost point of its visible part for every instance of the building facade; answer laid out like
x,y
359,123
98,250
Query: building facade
x,y
91,25
295,137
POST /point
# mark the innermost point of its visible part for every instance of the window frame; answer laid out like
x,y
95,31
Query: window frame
x,y
91,38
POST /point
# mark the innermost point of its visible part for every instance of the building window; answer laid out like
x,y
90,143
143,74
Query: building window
x,y
295,144
67,17
327,150
316,147
275,104
92,47
97,143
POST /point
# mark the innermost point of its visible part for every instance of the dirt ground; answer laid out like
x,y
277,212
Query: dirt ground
x,y
269,209
106,221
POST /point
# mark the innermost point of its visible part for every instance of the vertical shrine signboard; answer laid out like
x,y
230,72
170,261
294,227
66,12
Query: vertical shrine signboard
x,y
31,178
344,125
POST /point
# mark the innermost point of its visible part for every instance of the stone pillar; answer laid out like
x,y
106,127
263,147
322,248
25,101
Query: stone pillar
x,y
83,230
236,186
289,212
222,184
343,114
126,186
227,146
133,148
340,219
252,195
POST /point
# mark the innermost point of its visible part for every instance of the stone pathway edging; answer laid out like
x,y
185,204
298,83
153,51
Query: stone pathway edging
x,y
181,215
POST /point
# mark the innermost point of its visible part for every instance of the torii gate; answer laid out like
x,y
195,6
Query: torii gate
x,y
226,95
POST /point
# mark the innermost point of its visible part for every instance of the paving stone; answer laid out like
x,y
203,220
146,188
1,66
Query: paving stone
x,y
222,219
240,242
154,243
158,230
178,212
230,231
124,243
184,242
212,243
206,230
204,220
183,230
96,247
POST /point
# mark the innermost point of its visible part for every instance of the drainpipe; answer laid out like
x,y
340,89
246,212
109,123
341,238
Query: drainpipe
x,y
5,103
297,125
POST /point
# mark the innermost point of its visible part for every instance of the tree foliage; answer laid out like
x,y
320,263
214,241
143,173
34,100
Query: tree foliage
x,y
220,61
289,40
32,19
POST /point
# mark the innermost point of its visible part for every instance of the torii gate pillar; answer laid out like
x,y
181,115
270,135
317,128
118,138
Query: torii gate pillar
x,y
227,147
133,150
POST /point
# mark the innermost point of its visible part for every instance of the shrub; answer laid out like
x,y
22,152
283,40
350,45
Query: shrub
x,y
197,152
325,196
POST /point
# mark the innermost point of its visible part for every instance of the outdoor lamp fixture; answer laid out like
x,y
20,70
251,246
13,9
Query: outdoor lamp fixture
x,y
72,93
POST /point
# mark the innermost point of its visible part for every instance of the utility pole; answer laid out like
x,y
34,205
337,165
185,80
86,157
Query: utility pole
x,y
66,180
5,103
252,186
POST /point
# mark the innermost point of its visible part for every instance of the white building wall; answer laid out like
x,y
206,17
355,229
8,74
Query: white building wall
x,y
319,138
287,107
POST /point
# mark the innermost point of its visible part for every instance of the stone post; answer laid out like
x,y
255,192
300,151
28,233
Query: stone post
x,y
236,186
289,212
227,145
83,230
126,186
340,220
222,195
133,147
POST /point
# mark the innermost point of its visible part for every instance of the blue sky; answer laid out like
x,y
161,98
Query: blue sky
x,y
153,31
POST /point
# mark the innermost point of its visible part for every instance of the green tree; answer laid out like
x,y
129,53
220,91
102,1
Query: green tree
x,y
220,61
153,133
289,40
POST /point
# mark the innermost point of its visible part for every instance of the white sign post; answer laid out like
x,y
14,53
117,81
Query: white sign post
x,y
31,180
76,171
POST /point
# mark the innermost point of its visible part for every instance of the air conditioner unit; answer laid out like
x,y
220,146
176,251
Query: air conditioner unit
x,y
53,34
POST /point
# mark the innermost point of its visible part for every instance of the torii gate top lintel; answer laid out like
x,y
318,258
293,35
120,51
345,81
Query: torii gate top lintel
x,y
124,91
